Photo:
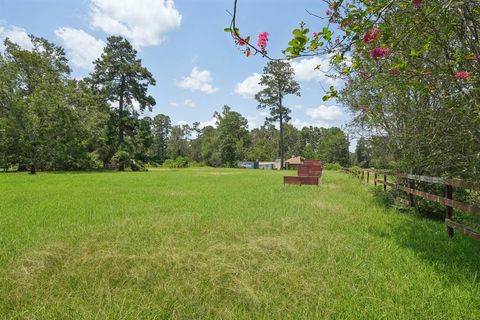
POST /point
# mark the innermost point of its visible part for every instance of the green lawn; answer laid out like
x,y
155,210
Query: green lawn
x,y
223,243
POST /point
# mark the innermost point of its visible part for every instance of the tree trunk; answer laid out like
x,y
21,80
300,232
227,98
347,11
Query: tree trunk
x,y
33,170
121,137
282,156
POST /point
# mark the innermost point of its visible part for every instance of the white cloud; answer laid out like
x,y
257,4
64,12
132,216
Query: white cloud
x,y
173,104
17,35
249,87
143,22
82,47
298,107
181,123
325,116
212,122
306,70
189,103
199,80
299,124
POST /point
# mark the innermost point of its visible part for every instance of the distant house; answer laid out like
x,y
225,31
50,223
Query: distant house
x,y
247,164
112,164
269,165
294,162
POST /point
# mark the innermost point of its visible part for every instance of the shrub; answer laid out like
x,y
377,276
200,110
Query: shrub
x,y
179,162
138,166
195,164
332,166
355,169
123,159
169,163
154,164
93,161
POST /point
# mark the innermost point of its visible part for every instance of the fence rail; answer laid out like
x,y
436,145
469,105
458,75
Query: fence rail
x,y
407,184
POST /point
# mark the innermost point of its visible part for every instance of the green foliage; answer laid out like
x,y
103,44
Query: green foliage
x,y
162,126
179,162
264,143
194,164
122,80
332,166
123,159
49,121
329,145
355,170
232,136
178,141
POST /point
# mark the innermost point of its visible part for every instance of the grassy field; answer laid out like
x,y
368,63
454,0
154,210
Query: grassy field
x,y
229,244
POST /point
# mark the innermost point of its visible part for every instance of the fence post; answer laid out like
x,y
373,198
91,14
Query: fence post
x,y
448,209
375,179
411,198
368,177
384,182
363,175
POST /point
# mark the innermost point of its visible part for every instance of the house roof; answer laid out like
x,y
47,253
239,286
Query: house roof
x,y
295,160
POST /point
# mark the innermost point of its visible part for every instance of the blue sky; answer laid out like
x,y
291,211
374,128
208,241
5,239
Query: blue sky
x,y
197,67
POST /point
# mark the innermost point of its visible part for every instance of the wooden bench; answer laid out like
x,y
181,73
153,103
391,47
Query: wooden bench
x,y
300,180
308,173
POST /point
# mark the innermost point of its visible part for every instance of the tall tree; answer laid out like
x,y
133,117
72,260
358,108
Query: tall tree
x,y
264,143
162,125
143,139
209,146
291,140
35,110
178,141
278,81
363,152
124,82
232,135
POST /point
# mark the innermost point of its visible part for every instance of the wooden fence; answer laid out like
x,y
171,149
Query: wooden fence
x,y
407,183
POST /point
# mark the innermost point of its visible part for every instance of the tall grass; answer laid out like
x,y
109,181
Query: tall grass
x,y
223,243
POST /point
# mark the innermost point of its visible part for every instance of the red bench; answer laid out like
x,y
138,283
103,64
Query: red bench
x,y
308,173
300,180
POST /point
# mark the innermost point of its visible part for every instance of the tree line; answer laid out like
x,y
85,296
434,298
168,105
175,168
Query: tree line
x,y
51,121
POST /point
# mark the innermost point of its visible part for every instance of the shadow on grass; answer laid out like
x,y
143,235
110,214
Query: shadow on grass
x,y
458,257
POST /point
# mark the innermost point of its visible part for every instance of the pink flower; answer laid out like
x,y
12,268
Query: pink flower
x,y
379,53
372,35
478,57
315,35
417,3
262,41
328,12
462,75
